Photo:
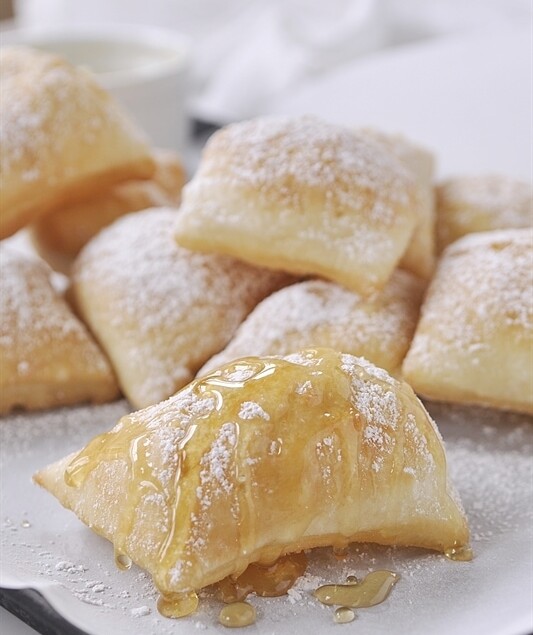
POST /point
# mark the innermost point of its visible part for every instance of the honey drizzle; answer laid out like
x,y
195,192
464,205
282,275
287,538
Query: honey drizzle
x,y
264,580
325,404
371,591
177,605
343,615
131,441
237,615
458,553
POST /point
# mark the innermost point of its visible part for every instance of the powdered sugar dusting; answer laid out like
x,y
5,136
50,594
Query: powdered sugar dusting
x,y
300,179
483,286
272,154
482,203
36,322
47,104
252,410
169,309
215,463
320,313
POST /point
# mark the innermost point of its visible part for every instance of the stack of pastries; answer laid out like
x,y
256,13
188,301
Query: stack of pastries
x,y
266,319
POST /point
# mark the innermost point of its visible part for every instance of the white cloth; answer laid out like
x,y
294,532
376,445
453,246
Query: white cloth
x,y
248,53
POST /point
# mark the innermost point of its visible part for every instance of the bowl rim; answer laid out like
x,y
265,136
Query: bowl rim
x,y
151,37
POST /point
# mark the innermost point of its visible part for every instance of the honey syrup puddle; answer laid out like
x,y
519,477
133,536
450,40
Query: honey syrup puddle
x,y
368,592
459,554
343,615
264,580
122,561
237,614
177,604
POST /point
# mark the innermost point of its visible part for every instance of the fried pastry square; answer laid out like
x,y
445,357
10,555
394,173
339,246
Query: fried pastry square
x,y
47,357
158,310
63,137
263,457
59,236
474,341
319,313
420,255
471,204
304,196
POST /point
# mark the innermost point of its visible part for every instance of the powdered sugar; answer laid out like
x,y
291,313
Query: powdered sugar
x,y
47,104
482,203
319,313
37,323
303,194
272,154
215,463
252,410
376,401
483,287
167,309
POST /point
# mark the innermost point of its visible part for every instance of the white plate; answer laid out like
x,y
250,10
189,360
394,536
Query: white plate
x,y
466,97
490,460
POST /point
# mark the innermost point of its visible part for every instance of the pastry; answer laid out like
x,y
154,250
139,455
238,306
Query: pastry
x,y
321,313
158,310
474,341
62,137
304,196
481,203
420,255
263,457
60,235
47,357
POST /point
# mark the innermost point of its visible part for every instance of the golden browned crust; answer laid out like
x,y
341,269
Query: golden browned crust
x,y
159,310
420,257
60,235
303,196
470,204
320,313
47,357
263,457
474,341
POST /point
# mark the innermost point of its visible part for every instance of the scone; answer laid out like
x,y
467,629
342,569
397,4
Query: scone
x,y
481,203
304,196
62,137
319,313
158,310
474,341
47,357
420,255
263,457
59,236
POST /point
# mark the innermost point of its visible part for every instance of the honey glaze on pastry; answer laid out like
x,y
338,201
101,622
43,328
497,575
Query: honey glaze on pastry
x,y
47,357
304,196
62,137
59,236
320,313
158,310
481,203
264,457
474,341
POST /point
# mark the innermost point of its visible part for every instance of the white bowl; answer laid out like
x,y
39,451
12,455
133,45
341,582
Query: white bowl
x,y
146,68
